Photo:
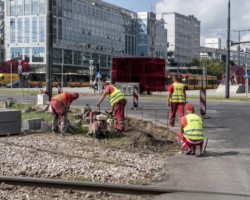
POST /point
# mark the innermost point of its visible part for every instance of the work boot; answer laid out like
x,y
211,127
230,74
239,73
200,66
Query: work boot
x,y
188,151
55,130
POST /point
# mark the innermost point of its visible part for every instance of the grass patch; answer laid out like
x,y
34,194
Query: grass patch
x,y
48,116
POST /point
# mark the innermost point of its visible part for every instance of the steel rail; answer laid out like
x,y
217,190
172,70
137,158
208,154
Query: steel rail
x,y
108,187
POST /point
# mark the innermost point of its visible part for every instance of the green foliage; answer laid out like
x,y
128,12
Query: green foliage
x,y
214,67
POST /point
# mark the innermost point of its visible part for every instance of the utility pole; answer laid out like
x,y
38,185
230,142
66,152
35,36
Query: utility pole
x,y
228,53
49,48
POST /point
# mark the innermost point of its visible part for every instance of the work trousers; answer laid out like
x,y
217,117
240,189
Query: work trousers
x,y
174,107
188,143
119,115
59,117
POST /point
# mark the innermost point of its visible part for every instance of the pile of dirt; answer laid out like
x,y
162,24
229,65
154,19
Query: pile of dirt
x,y
145,135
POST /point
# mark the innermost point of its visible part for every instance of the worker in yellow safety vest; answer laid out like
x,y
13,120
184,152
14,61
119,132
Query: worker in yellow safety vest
x,y
118,102
176,99
191,130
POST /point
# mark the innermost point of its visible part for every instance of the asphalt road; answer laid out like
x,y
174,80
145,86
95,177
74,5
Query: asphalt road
x,y
222,173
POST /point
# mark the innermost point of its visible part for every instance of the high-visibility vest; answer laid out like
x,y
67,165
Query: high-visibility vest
x,y
178,95
116,96
60,98
193,130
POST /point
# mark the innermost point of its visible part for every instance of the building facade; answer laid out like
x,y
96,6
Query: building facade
x,y
183,36
151,36
84,32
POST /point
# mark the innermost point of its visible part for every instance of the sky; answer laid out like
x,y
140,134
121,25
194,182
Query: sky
x,y
213,15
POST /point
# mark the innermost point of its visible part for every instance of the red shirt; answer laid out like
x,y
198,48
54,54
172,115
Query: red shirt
x,y
109,89
69,97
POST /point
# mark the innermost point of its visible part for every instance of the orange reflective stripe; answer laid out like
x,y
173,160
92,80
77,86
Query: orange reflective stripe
x,y
60,97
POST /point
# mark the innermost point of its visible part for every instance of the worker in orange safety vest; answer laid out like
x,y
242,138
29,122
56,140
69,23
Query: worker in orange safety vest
x,y
60,105
176,99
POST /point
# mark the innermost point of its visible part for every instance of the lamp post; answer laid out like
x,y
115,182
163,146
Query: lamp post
x,y
238,48
228,52
62,69
178,60
11,73
90,71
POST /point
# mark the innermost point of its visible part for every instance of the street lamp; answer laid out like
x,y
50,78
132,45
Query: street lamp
x,y
178,54
228,52
90,71
62,69
178,60
238,48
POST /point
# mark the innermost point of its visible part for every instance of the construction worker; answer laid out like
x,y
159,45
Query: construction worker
x,y
118,102
176,99
60,105
191,131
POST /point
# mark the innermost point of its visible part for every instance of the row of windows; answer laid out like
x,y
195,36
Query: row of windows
x,y
27,30
79,58
26,7
33,54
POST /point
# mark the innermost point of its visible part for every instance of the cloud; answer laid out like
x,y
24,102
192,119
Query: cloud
x,y
213,15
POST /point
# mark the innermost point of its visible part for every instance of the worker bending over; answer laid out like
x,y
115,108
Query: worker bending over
x,y
60,105
191,131
118,102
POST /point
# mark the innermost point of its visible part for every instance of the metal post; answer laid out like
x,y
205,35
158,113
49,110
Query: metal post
x,y
238,49
62,69
90,71
110,71
178,59
246,84
228,53
49,48
11,75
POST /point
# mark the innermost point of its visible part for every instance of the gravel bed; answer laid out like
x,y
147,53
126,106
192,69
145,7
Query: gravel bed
x,y
120,160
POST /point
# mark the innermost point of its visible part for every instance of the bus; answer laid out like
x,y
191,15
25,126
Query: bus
x,y
38,79
195,82
6,79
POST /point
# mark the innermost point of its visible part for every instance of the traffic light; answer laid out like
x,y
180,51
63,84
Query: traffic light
x,y
96,68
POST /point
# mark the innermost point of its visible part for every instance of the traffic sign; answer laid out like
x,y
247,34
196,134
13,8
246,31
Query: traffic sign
x,y
19,69
98,75
246,75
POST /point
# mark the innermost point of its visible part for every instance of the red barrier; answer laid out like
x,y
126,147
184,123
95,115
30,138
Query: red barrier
x,y
135,97
203,102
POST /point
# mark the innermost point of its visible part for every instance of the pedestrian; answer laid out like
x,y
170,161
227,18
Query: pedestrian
x,y
191,131
60,105
118,102
176,99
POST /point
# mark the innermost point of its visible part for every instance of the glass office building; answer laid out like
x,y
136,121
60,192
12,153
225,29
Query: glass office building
x,y
151,36
83,30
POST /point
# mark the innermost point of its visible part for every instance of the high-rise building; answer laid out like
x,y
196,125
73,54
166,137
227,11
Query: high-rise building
x,y
183,36
151,36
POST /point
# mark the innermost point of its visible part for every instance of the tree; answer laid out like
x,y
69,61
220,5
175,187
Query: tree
x,y
214,67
